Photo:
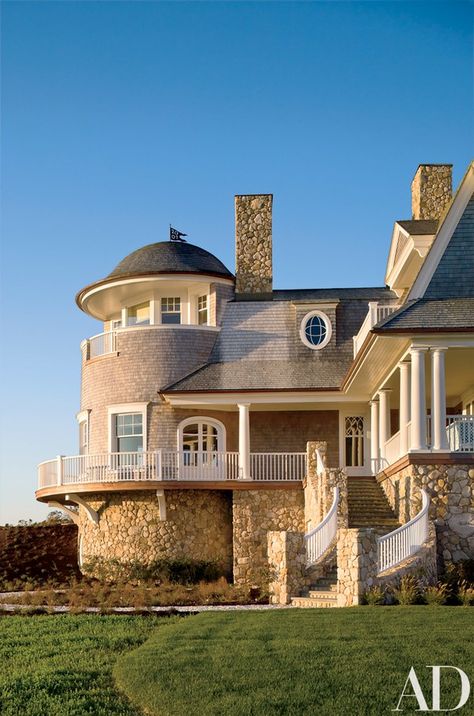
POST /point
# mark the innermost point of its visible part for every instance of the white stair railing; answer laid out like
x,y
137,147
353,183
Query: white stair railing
x,y
320,539
394,547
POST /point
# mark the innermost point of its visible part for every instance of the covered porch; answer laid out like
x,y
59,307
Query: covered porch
x,y
425,405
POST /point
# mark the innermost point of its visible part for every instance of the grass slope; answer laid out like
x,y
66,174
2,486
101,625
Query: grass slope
x,y
295,662
61,665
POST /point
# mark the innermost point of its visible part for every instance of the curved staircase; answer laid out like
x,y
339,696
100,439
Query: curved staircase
x,y
368,507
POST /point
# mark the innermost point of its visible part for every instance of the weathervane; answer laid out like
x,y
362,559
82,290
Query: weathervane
x,y
176,235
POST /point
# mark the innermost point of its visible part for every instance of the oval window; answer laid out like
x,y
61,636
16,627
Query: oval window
x,y
315,330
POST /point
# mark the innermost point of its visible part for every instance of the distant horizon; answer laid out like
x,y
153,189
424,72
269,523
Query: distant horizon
x,y
120,119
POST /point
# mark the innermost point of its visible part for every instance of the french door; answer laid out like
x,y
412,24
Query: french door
x,y
353,444
201,446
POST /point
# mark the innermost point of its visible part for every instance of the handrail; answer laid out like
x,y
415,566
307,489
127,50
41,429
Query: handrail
x,y
394,547
320,538
376,313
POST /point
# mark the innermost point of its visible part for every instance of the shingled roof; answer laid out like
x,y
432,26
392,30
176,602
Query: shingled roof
x,y
445,315
170,257
259,346
419,227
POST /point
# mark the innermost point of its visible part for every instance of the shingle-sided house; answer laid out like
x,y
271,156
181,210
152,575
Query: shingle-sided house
x,y
303,434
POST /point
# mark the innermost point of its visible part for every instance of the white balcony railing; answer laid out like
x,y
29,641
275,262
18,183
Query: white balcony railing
x,y
459,433
404,542
375,314
167,465
319,540
280,465
101,344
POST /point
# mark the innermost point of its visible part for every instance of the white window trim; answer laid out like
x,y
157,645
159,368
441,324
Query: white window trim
x,y
328,323
83,417
221,431
126,408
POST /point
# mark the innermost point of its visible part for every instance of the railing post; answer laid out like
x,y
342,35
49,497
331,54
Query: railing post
x,y
159,464
59,470
373,313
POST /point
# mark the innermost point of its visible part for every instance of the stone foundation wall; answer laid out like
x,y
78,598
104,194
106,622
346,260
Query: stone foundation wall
x,y
198,526
357,564
451,491
256,512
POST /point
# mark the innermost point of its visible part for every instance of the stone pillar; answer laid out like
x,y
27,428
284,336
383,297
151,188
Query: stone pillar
x,y
374,436
356,564
384,419
404,412
244,441
439,438
286,562
253,244
431,190
418,400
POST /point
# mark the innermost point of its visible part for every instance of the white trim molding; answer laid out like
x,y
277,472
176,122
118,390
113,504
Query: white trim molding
x,y
327,322
220,427
126,408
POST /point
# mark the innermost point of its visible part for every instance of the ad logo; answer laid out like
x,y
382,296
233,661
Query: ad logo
x,y
418,694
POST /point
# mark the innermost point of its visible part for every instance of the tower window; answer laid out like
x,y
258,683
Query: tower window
x,y
171,310
202,310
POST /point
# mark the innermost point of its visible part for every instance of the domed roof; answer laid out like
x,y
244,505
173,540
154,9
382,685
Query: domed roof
x,y
170,257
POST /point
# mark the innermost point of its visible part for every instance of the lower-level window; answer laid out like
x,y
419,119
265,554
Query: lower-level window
x,y
129,432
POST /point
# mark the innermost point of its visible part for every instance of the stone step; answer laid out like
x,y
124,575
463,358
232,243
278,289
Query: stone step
x,y
323,593
312,603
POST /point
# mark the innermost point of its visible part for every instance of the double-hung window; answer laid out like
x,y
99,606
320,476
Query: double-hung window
x,y
171,310
129,432
202,310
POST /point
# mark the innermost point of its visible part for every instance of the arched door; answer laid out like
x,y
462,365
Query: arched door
x,y
201,444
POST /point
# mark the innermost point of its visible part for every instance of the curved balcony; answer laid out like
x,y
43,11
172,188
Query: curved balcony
x,y
108,342
164,468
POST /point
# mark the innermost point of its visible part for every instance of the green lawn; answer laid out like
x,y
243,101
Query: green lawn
x,y
341,662
61,665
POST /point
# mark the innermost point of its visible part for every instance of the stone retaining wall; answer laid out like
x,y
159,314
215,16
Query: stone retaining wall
x,y
451,491
256,512
198,526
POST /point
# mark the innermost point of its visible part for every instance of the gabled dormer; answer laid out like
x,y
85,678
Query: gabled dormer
x,y
431,191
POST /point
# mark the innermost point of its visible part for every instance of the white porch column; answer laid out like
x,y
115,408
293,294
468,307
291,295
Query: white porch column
x,y
384,418
439,438
404,412
124,317
418,400
374,435
244,441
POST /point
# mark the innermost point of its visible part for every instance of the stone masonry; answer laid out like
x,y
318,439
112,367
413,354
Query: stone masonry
x,y
357,564
451,491
198,526
431,190
256,512
253,238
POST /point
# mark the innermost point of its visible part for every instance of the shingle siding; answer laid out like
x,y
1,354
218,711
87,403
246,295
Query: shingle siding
x,y
454,276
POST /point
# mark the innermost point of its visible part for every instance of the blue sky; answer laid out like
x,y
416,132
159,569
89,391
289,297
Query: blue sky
x,y
120,118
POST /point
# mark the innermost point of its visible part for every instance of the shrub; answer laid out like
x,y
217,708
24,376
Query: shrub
x,y
407,592
375,596
465,593
437,594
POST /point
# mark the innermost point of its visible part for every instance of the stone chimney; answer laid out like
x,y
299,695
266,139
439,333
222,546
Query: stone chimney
x,y
253,243
431,190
